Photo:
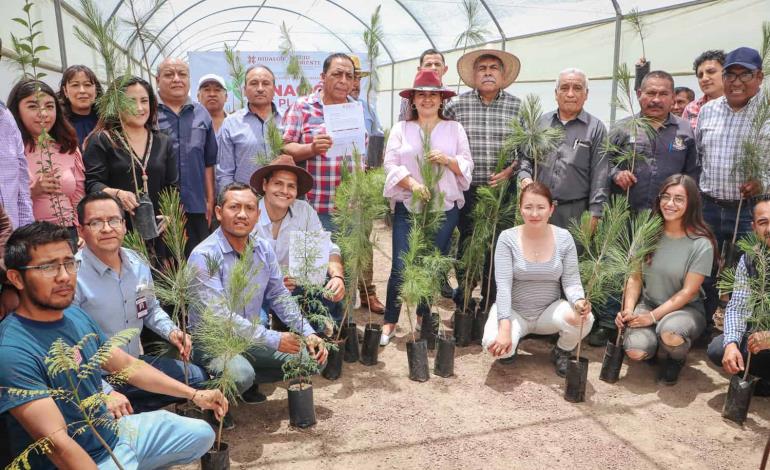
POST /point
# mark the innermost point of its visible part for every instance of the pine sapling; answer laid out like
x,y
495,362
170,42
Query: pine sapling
x,y
273,144
99,34
530,135
474,32
237,74
293,65
372,38
637,23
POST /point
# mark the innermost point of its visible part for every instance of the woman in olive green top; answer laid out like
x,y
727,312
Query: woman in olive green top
x,y
663,308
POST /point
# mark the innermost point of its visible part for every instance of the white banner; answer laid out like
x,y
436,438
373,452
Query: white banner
x,y
202,63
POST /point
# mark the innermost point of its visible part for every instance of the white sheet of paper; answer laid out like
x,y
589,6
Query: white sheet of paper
x,y
309,255
345,124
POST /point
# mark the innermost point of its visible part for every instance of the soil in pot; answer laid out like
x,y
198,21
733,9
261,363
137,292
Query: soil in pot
x,y
143,219
477,328
429,329
370,348
444,365
333,369
216,459
301,408
577,378
350,331
417,355
612,362
738,399
462,327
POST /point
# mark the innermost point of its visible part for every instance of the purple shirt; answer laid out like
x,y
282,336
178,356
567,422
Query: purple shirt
x,y
404,152
14,179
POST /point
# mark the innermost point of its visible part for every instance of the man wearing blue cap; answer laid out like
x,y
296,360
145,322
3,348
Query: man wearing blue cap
x,y
723,125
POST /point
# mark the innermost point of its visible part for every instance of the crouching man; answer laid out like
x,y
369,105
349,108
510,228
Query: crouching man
x,y
237,211
41,265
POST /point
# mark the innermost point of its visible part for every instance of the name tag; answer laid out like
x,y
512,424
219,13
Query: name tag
x,y
142,300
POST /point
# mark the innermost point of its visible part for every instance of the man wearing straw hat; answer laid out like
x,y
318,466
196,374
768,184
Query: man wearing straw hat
x,y
484,112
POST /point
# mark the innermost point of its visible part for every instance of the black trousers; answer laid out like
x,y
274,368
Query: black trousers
x,y
197,230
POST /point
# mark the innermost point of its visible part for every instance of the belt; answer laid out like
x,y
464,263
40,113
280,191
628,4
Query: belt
x,y
727,203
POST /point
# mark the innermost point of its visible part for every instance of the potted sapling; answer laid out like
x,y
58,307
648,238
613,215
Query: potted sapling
x,y
372,38
358,203
600,273
638,243
221,334
754,283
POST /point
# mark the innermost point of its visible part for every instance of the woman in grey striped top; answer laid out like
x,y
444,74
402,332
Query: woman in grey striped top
x,y
534,263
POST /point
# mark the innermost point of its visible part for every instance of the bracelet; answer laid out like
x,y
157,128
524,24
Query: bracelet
x,y
194,394
339,277
654,320
117,194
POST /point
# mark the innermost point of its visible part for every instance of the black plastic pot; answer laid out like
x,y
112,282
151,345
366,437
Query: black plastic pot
x,y
612,362
429,329
350,331
143,219
216,459
370,348
477,328
333,369
462,327
301,408
577,377
444,365
738,399
417,355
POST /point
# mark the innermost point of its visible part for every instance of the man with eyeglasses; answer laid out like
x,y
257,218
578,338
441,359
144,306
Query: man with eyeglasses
x,y
116,290
41,263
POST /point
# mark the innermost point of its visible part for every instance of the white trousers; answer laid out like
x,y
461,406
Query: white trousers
x,y
552,320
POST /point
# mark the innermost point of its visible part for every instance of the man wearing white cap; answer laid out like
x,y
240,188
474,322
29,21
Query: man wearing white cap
x,y
485,113
212,94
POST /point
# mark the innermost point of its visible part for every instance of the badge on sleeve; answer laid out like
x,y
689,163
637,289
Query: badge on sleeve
x,y
678,144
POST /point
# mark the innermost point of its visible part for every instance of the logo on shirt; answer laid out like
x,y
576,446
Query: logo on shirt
x,y
76,356
678,143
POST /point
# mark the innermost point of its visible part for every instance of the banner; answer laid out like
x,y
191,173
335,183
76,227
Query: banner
x,y
202,63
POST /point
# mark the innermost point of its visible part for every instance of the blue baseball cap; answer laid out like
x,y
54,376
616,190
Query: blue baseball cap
x,y
744,56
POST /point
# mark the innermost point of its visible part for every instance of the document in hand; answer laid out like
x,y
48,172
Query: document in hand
x,y
345,124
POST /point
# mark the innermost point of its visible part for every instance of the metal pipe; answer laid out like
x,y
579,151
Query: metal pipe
x,y
60,32
615,61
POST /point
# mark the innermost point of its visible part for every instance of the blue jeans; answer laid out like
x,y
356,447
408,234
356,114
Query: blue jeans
x,y
401,227
760,363
327,223
142,400
722,223
334,308
159,439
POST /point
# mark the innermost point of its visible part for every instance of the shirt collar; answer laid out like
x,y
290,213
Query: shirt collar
x,y
276,115
582,116
224,245
187,103
98,265
497,96
264,217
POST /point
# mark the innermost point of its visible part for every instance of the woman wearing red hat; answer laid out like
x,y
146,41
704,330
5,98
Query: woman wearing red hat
x,y
403,184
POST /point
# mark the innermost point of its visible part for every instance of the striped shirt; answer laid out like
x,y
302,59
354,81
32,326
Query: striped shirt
x,y
487,126
737,311
719,137
528,288
14,178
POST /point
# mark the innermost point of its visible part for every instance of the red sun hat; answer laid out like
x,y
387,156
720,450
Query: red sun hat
x,y
427,80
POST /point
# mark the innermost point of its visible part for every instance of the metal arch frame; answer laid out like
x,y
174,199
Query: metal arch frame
x,y
384,46
419,25
249,23
191,24
494,20
160,49
211,36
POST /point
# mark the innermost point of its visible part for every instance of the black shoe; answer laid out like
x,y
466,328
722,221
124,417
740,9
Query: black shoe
x,y
227,422
600,335
252,396
762,388
446,290
506,361
669,371
560,359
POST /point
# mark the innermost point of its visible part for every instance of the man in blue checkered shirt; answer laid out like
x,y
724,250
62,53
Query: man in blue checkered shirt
x,y
730,349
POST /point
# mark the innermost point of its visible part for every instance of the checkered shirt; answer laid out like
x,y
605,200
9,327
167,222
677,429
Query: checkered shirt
x,y
692,110
736,311
719,137
486,126
303,120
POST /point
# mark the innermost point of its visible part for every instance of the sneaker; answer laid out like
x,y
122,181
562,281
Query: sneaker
x,y
560,360
252,396
600,335
669,371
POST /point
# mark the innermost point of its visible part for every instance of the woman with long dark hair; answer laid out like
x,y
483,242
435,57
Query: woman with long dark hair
x,y
126,156
56,173
78,91
663,308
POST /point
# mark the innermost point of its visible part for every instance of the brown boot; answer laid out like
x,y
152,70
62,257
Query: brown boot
x,y
373,303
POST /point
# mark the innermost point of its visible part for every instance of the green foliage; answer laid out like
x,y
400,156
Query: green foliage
x,y
529,136
135,242
274,140
358,203
99,34
372,38
293,66
474,32
637,23
765,48
758,287
751,163
138,24
237,73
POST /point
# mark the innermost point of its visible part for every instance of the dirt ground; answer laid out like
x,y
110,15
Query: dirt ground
x,y
492,416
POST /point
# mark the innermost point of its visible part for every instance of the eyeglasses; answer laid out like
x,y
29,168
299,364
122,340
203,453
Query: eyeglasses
x,y
98,224
52,269
743,76
665,198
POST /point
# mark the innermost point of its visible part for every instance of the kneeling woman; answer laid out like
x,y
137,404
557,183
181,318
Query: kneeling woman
x,y
663,308
534,263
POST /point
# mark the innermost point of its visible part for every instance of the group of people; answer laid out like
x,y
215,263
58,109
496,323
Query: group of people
x,y
73,178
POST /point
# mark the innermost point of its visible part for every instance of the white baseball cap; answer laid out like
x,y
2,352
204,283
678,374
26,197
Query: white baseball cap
x,y
212,77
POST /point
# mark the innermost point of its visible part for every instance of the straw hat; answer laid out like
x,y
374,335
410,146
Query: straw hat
x,y
511,66
427,80
282,163
357,66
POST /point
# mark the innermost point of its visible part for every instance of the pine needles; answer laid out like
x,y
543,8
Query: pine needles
x,y
237,74
274,141
293,65
637,23
474,32
100,36
372,38
529,136
138,25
